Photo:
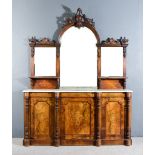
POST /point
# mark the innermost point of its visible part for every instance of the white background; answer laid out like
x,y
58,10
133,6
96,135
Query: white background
x,y
6,69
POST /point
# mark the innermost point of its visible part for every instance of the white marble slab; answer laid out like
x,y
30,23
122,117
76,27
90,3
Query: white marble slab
x,y
77,89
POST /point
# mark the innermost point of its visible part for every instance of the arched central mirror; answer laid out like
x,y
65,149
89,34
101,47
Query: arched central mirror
x,y
78,58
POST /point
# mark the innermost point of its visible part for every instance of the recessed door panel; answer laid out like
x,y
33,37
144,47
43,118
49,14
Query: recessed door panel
x,y
42,118
112,118
77,119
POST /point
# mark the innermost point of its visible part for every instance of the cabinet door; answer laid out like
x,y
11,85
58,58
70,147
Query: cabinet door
x,y
77,121
112,118
42,120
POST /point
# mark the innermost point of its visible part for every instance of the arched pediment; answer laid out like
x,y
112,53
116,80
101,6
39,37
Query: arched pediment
x,y
79,20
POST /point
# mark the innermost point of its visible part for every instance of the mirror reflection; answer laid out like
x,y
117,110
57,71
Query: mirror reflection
x,y
45,61
78,55
111,61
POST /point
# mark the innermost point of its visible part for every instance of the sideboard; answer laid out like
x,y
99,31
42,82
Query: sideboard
x,y
77,116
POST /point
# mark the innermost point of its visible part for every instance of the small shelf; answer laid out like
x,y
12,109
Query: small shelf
x,y
113,77
44,77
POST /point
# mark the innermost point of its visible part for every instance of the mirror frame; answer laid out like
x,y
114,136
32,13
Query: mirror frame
x,y
44,81
78,20
113,82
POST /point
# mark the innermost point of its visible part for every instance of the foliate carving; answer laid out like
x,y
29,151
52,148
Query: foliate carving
x,y
79,19
114,42
44,41
110,41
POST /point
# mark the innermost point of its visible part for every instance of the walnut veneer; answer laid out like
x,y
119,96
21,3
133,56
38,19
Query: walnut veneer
x,y
77,118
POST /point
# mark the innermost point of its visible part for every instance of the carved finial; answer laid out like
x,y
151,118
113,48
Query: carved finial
x,y
33,40
123,41
81,18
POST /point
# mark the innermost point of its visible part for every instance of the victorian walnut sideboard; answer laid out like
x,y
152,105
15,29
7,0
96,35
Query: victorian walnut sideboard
x,y
76,117
58,113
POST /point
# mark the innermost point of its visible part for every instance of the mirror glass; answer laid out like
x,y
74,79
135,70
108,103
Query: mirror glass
x,y
45,61
78,58
111,61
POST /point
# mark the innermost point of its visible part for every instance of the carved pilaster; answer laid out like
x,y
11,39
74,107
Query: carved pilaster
x,y
26,119
98,118
124,51
56,133
127,131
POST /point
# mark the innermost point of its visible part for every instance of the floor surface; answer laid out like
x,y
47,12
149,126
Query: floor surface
x,y
135,149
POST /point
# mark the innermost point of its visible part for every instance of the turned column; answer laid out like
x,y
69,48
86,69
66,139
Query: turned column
x,y
26,140
98,120
127,131
56,131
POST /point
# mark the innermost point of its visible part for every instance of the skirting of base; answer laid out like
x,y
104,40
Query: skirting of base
x,y
127,142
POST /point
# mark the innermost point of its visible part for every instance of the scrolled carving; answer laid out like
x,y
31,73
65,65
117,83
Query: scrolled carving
x,y
46,41
123,41
110,41
41,42
114,42
79,19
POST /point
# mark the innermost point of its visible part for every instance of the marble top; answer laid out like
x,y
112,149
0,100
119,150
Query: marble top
x,y
77,89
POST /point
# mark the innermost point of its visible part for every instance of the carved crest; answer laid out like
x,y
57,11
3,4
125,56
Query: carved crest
x,y
79,19
44,41
114,42
110,41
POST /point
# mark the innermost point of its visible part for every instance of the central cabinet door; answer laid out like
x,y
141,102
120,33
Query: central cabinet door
x,y
77,119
